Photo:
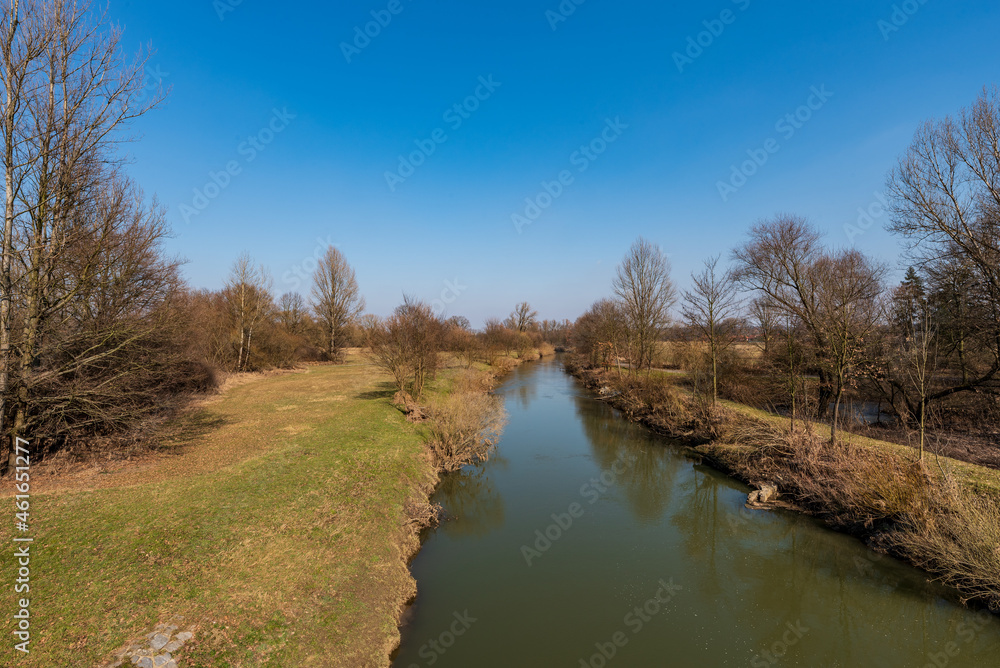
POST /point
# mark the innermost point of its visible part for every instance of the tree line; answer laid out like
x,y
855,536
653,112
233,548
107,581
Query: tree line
x,y
99,334
824,319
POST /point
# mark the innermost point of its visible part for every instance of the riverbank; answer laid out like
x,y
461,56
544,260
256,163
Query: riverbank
x,y
942,515
274,523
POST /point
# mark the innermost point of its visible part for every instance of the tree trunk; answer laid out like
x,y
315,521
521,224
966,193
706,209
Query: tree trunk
x,y
715,377
7,250
923,425
826,394
836,417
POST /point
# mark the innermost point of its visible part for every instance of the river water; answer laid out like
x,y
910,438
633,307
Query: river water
x,y
588,541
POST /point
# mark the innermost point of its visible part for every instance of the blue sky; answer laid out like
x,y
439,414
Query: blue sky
x,y
241,69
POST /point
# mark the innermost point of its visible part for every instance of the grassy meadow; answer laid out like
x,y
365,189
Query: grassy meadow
x,y
272,517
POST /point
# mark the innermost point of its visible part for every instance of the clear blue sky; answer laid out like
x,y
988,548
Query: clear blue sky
x,y
323,176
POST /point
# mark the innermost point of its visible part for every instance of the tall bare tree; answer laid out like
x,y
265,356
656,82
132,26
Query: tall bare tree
x,y
945,202
850,286
779,262
523,318
643,285
24,40
247,294
68,94
712,307
336,299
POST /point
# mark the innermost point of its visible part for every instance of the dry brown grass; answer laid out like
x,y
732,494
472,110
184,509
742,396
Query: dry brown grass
x,y
960,540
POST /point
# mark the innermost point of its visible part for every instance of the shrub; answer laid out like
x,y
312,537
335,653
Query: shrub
x,y
464,428
961,541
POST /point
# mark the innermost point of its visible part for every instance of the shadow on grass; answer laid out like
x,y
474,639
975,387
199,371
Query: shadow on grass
x,y
385,391
188,429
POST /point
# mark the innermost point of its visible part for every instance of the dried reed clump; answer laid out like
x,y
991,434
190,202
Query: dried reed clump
x,y
859,485
502,365
959,540
472,380
464,428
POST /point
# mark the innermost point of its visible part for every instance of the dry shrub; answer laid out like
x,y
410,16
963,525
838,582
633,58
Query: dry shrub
x,y
502,365
472,380
546,349
960,541
684,355
464,428
642,395
859,485
765,438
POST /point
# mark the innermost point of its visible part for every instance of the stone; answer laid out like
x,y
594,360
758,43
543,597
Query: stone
x,y
161,660
170,630
145,662
768,492
184,636
172,646
158,641
171,664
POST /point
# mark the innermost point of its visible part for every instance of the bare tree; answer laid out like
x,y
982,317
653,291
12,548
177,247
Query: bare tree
x,y
388,348
920,362
248,297
407,345
336,299
643,285
794,359
291,311
712,306
779,262
23,42
68,94
601,334
945,202
523,318
850,310
765,318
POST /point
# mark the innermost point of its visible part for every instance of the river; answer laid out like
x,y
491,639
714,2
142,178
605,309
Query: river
x,y
588,541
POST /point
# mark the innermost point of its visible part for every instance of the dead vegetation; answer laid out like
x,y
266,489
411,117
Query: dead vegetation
x,y
464,428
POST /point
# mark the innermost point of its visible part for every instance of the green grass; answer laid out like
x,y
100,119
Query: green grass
x,y
274,523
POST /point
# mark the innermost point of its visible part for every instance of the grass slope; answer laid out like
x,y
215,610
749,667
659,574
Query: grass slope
x,y
977,478
275,522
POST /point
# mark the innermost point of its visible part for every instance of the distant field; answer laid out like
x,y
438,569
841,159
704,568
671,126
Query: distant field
x,y
273,522
678,354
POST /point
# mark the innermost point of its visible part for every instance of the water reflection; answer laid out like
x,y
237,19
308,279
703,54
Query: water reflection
x,y
473,505
640,465
759,588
